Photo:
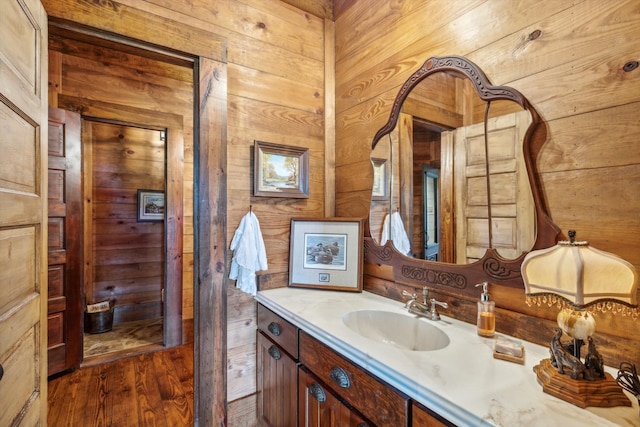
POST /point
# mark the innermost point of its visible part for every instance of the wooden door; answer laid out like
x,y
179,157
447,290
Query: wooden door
x,y
64,320
23,226
512,209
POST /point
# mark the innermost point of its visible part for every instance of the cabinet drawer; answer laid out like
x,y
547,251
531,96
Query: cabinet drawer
x,y
278,330
376,400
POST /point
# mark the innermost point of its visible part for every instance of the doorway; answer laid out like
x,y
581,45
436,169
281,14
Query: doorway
x,y
204,215
136,107
427,153
124,171
431,212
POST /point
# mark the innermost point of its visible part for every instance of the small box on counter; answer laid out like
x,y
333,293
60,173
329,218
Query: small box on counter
x,y
509,349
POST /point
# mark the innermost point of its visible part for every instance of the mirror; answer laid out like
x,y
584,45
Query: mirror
x,y
454,170
468,216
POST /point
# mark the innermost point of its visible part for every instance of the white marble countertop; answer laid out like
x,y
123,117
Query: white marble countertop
x,y
462,382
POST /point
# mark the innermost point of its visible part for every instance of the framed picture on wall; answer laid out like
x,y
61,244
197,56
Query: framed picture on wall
x,y
150,205
326,253
380,189
280,170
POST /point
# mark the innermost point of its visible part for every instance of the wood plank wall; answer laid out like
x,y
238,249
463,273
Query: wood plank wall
x,y
276,93
568,59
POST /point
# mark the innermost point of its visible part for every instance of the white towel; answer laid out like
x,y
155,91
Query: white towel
x,y
398,233
249,254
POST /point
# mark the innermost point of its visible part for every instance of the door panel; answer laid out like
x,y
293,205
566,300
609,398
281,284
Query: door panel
x,y
512,213
64,321
23,194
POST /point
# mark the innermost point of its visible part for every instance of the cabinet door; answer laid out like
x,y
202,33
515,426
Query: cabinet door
x,y
277,385
376,400
318,407
422,417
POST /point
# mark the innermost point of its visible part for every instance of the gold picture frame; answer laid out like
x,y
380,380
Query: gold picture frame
x,y
280,170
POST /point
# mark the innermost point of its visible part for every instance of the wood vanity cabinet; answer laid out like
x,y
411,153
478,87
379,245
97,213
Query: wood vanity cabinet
x,y
375,400
277,368
302,382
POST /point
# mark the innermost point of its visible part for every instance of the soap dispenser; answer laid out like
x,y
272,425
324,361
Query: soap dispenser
x,y
486,313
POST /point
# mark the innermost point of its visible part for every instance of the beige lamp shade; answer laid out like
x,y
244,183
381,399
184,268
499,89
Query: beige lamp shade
x,y
580,274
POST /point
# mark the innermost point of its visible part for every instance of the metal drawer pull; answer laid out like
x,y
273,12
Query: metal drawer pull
x,y
317,392
340,377
1,371
274,328
274,352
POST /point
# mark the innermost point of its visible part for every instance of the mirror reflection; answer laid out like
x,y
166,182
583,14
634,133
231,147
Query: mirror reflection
x,y
450,179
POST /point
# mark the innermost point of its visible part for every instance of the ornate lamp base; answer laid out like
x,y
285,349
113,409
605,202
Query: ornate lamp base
x,y
602,392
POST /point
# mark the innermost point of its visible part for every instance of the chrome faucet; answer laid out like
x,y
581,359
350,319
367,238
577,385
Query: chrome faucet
x,y
427,308
434,308
416,307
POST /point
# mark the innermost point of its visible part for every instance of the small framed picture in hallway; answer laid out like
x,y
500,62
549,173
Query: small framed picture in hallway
x,y
150,205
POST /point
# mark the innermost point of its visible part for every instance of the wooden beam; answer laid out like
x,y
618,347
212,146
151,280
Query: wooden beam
x,y
210,265
137,24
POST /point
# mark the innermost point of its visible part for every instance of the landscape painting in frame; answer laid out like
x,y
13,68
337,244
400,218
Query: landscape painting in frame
x,y
326,253
280,170
150,205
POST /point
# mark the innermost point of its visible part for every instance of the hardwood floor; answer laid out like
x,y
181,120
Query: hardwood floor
x,y
123,340
152,389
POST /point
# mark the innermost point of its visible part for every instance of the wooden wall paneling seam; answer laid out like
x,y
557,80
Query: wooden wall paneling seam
x,y
329,120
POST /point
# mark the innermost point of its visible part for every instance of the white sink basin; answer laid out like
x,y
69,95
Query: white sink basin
x,y
398,330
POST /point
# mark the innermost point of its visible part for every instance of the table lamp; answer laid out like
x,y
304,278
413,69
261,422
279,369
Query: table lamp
x,y
580,280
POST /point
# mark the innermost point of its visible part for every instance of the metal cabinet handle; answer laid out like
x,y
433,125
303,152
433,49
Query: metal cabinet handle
x,y
274,352
316,391
274,328
1,371
340,377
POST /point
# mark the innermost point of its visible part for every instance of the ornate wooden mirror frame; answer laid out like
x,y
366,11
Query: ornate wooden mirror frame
x,y
461,278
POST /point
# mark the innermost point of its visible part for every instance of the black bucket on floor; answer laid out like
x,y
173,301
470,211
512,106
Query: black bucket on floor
x,y
99,322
